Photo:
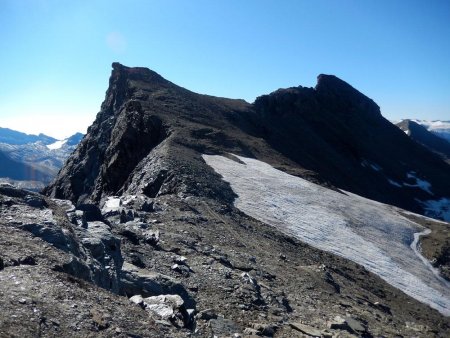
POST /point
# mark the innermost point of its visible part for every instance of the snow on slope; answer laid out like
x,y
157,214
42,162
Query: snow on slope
x,y
56,145
372,234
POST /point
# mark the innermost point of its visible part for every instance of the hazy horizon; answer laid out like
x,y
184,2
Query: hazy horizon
x,y
56,56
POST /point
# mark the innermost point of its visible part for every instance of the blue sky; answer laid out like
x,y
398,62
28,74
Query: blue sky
x,y
56,55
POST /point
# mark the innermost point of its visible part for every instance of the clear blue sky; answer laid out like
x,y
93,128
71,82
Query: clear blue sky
x,y
56,55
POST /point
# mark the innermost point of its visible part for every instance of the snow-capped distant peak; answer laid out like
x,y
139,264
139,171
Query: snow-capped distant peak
x,y
433,125
437,127
56,145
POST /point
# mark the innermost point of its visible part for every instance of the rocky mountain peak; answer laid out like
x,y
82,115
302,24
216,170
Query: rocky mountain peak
x,y
137,73
345,97
410,125
128,83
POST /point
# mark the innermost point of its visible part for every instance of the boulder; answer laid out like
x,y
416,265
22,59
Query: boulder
x,y
306,329
151,237
135,280
91,212
166,307
207,314
223,327
35,201
50,232
348,324
137,299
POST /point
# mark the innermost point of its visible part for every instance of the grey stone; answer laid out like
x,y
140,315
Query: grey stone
x,y
180,260
137,281
355,325
35,201
27,260
91,212
348,324
51,233
250,331
224,327
267,330
137,299
163,311
207,314
151,237
306,329
168,307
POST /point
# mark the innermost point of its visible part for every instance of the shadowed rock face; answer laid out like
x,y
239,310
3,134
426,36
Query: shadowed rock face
x,y
119,138
338,132
150,133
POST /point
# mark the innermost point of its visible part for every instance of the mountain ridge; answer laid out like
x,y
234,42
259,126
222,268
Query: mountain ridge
x,y
32,161
138,213
428,139
331,134
11,136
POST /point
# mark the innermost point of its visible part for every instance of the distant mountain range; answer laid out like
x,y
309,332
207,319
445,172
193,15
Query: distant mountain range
x,y
31,161
437,127
427,134
10,136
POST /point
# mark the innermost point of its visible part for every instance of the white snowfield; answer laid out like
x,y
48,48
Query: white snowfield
x,y
372,234
56,145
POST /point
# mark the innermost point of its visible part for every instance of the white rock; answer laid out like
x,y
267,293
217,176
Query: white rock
x,y
137,299
164,311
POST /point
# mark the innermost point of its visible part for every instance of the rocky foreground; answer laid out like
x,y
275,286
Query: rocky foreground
x,y
177,266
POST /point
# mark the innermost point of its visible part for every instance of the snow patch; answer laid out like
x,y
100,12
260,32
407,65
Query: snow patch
x,y
56,145
421,184
112,204
367,232
369,164
395,184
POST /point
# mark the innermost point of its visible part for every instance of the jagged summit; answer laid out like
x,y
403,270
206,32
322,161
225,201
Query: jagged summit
x,y
137,73
330,85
